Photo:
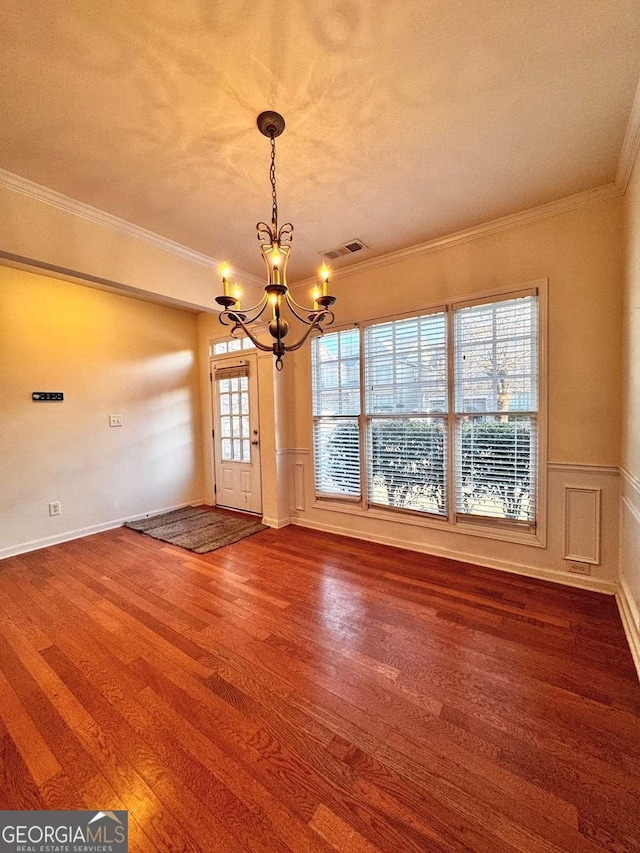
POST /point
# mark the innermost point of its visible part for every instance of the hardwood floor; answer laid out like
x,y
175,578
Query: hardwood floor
x,y
304,692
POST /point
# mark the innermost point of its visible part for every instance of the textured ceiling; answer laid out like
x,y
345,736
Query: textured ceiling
x,y
405,121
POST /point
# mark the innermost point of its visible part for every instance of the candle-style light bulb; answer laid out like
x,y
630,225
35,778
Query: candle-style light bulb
x,y
225,272
324,275
275,263
273,300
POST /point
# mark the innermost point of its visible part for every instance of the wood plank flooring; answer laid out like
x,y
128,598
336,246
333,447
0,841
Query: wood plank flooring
x,y
305,692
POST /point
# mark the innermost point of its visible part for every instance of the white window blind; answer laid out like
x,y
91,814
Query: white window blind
x,y
236,370
406,366
405,406
496,374
335,359
337,457
446,428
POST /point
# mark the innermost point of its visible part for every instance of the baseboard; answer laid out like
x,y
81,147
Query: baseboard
x,y
588,583
37,544
630,620
276,523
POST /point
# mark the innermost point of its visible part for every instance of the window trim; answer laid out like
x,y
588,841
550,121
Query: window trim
x,y
213,341
533,535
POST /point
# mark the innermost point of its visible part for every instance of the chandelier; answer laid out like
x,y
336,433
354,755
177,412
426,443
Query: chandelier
x,y
276,247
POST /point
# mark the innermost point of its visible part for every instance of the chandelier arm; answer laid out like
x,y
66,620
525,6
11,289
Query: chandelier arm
x,y
230,315
225,318
259,308
240,323
308,311
291,302
315,325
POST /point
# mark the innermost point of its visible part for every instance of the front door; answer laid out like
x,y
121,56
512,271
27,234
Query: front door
x,y
236,433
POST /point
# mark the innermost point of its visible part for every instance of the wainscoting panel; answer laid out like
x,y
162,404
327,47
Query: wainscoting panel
x,y
590,493
299,486
582,524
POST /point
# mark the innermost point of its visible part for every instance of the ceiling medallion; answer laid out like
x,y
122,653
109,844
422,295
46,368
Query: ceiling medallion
x,y
276,248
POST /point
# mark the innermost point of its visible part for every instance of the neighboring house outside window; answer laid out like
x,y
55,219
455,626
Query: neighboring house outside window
x,y
445,423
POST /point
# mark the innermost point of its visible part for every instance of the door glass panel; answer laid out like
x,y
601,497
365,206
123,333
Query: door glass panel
x,y
233,409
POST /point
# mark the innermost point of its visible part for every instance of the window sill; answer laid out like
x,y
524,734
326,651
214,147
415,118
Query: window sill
x,y
533,540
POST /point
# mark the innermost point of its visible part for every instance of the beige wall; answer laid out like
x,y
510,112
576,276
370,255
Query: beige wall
x,y
109,355
631,328
50,236
630,458
580,253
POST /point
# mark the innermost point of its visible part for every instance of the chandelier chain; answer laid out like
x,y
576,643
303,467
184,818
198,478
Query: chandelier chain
x,y
272,174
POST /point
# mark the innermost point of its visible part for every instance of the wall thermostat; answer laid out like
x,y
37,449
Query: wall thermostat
x,y
47,396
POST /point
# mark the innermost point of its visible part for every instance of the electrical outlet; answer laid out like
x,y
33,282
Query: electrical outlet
x,y
115,420
578,567
55,508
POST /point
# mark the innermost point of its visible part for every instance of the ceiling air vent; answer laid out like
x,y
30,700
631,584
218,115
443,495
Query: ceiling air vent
x,y
345,249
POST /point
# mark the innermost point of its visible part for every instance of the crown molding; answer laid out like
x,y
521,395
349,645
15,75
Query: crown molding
x,y
504,223
108,220
630,146
92,214
78,277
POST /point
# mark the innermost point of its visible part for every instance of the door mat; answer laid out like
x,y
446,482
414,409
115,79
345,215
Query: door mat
x,y
198,530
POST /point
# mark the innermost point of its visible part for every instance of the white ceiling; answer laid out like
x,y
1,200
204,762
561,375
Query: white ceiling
x,y
405,120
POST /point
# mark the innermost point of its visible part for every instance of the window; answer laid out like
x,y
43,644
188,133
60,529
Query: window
x,y
496,361
445,420
336,407
232,385
230,345
405,367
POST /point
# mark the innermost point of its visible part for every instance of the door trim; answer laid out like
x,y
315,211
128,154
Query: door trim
x,y
239,358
